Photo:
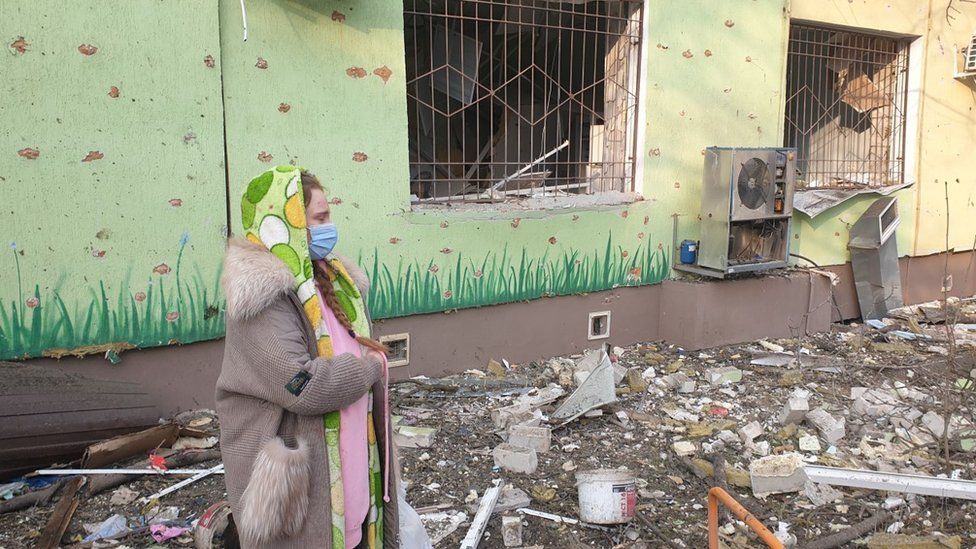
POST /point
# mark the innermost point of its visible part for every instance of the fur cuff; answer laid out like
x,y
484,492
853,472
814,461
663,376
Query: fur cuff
x,y
275,501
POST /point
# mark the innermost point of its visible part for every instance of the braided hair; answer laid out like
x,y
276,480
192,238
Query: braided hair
x,y
324,275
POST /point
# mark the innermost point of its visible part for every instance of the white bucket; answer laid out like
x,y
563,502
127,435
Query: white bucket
x,y
606,496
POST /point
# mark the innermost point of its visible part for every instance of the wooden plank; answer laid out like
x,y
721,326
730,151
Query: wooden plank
x,y
61,516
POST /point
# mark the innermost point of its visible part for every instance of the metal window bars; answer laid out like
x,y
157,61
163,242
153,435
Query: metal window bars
x,y
514,98
845,107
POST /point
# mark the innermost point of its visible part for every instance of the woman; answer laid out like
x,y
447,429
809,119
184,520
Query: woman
x,y
301,395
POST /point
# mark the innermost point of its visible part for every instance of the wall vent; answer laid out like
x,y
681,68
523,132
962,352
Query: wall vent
x,y
598,325
399,345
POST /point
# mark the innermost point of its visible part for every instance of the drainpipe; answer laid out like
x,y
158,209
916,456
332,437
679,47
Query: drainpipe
x,y
918,140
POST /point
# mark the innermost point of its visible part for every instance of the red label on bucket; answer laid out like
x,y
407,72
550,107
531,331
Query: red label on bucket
x,y
626,498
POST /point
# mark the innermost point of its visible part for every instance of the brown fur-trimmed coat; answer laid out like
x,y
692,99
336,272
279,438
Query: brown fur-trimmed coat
x,y
269,340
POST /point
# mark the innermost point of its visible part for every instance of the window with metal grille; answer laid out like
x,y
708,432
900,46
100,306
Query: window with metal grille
x,y
509,99
845,107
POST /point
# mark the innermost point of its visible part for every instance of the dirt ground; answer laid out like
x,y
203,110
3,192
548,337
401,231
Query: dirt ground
x,y
451,475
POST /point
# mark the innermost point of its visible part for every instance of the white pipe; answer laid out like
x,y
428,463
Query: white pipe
x,y
62,472
244,18
893,482
480,521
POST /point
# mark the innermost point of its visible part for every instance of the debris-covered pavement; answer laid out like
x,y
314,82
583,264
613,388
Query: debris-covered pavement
x,y
812,435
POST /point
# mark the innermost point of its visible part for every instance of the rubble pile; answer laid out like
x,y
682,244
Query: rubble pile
x,y
773,422
862,433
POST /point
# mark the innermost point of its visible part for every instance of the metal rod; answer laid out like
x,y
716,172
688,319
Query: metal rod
x,y
201,475
529,166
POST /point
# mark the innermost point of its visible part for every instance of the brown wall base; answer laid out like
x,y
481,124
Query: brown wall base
x,y
693,315
921,281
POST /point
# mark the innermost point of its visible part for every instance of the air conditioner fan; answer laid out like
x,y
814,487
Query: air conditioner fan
x,y
753,183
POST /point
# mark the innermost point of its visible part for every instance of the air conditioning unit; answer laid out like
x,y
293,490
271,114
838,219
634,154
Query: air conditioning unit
x,y
746,210
968,56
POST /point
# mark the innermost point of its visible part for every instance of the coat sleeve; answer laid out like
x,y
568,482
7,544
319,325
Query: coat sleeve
x,y
276,352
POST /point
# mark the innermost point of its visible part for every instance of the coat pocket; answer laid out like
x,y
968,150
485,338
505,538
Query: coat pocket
x,y
275,502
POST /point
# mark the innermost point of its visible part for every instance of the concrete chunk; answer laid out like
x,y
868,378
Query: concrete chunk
x,y
721,376
512,531
777,474
407,436
794,410
515,459
934,423
750,432
809,443
526,436
516,414
683,448
830,428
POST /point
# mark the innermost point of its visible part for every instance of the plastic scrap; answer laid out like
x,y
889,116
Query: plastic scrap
x,y
110,528
161,532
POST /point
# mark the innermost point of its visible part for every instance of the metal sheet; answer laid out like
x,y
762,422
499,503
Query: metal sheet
x,y
874,259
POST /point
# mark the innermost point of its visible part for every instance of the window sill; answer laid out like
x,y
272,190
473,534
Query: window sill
x,y
565,204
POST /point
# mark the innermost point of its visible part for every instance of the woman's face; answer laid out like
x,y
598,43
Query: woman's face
x,y
317,211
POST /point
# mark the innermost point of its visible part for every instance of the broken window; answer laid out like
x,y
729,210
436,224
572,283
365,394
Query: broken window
x,y
845,107
510,99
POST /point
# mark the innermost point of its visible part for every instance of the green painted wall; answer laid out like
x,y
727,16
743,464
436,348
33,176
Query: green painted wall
x,y
351,131
715,78
111,173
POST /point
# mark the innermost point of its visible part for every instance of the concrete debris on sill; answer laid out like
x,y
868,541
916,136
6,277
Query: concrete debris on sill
x,y
815,436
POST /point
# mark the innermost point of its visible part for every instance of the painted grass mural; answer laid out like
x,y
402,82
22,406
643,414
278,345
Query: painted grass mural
x,y
182,310
414,288
181,307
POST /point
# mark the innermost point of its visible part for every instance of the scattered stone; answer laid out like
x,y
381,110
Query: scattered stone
x,y
512,531
820,494
750,432
525,436
496,369
777,474
675,381
700,429
809,443
636,380
721,376
516,414
406,436
830,428
893,347
123,496
683,448
794,411
934,423
772,347
515,459
902,541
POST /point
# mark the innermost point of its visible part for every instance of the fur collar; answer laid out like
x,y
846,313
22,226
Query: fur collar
x,y
254,278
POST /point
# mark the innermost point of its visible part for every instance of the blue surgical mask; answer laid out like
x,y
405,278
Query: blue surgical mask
x,y
322,240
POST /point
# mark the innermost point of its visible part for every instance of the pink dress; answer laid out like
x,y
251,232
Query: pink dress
x,y
353,445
